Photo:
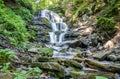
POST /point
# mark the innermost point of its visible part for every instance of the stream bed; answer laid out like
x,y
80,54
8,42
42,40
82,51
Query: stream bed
x,y
74,59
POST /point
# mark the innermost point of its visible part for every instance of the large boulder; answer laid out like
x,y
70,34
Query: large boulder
x,y
49,66
72,63
102,66
102,54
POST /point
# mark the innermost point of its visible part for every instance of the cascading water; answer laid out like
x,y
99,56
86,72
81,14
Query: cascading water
x,y
57,35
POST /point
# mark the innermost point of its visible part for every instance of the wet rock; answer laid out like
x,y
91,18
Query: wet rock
x,y
112,57
33,50
87,31
78,74
72,63
102,55
71,35
53,66
44,59
95,64
100,66
78,59
78,56
71,43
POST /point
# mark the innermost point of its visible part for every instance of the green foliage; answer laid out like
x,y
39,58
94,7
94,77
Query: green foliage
x,y
46,51
5,67
111,9
78,72
78,11
21,74
13,26
106,23
24,13
6,55
24,74
101,77
47,3
36,71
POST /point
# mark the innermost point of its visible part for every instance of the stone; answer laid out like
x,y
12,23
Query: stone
x,y
78,59
49,66
44,59
80,74
102,55
33,50
71,43
104,67
78,55
112,57
72,63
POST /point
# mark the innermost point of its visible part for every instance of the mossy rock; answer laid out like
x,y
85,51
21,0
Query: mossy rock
x,y
49,66
72,63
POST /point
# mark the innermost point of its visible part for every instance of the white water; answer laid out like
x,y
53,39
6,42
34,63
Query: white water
x,y
56,24
57,35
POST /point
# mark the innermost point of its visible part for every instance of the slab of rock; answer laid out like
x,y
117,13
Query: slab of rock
x,y
102,55
33,50
71,43
100,66
112,57
54,66
72,63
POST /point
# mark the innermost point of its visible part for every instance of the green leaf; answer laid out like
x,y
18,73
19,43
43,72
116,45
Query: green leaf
x,y
100,77
77,73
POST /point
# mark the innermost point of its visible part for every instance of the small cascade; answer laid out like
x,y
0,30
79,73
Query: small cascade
x,y
57,35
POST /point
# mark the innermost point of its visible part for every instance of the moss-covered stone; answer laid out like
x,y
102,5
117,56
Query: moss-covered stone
x,y
72,63
49,66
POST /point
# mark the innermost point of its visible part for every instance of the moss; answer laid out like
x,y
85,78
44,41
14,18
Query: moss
x,y
72,63
15,17
46,51
78,72
106,23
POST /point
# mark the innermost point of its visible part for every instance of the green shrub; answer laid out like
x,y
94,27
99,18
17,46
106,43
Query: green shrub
x,y
106,23
46,51
24,13
6,55
12,26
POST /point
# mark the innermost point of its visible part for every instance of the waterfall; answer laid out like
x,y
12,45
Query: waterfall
x,y
57,25
57,34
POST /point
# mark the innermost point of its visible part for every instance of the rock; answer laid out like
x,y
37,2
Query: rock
x,y
33,50
78,55
91,74
71,43
87,31
44,59
71,35
95,64
100,66
112,57
109,44
72,63
78,59
54,66
102,55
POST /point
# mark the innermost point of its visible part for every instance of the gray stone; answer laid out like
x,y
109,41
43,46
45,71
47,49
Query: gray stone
x,y
102,55
112,57
33,50
49,66
101,66
72,63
